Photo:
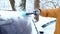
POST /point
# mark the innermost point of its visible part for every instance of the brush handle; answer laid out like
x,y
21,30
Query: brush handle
x,y
36,12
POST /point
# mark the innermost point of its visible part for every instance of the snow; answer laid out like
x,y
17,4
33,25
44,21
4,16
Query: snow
x,y
29,8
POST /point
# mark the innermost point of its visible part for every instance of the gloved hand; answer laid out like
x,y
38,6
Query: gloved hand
x,y
37,13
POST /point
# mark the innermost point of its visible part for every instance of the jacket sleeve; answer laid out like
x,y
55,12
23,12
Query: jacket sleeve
x,y
48,13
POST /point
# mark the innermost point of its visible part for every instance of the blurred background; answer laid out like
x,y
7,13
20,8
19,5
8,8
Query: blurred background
x,y
28,5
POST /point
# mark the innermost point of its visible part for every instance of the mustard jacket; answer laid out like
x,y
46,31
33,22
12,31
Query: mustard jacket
x,y
53,13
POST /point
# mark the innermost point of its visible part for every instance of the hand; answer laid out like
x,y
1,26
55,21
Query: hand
x,y
37,13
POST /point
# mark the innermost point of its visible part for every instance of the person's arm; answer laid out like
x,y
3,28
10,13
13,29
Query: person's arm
x,y
49,12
